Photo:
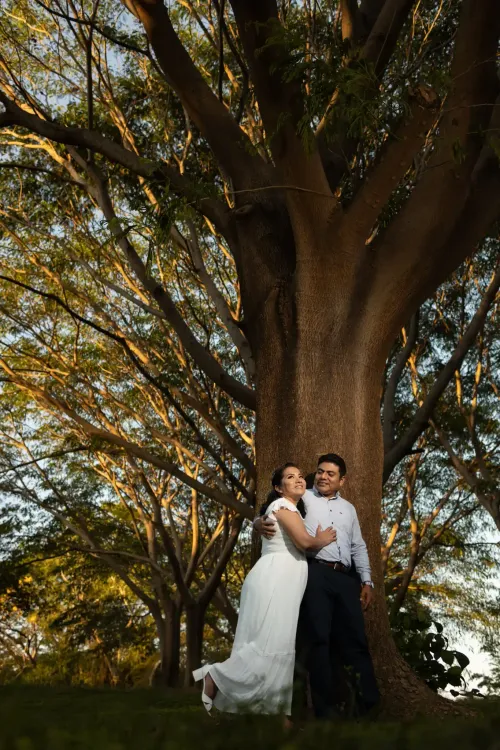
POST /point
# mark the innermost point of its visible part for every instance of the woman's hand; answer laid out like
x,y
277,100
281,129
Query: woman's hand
x,y
325,536
294,527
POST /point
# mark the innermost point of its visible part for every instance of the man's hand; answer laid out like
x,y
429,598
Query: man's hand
x,y
366,597
265,526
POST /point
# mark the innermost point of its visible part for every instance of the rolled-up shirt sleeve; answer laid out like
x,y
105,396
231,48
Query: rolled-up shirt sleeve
x,y
359,553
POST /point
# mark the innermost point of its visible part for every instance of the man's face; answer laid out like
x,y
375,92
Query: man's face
x,y
327,479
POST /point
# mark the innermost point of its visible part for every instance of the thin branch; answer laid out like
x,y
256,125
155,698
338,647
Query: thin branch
x,y
42,170
389,411
462,176
122,342
395,158
56,454
230,144
223,310
49,401
103,32
84,534
219,430
214,210
202,357
169,546
221,50
214,580
426,409
490,503
244,71
388,20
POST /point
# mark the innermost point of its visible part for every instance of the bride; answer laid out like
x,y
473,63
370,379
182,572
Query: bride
x,y
258,675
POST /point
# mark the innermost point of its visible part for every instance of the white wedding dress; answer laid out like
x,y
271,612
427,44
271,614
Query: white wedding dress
x,y
258,676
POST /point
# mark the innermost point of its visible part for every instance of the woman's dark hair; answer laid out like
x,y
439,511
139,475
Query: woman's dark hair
x,y
333,458
276,479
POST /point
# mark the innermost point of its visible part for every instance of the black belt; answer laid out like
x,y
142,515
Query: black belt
x,y
334,565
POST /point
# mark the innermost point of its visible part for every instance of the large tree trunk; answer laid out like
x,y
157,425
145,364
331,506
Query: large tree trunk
x,y
320,393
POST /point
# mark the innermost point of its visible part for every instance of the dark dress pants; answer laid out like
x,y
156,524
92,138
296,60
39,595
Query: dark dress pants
x,y
331,615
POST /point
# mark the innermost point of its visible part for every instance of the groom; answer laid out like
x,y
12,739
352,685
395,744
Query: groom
x,y
331,610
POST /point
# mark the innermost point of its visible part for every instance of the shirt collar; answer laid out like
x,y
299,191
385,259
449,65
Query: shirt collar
x,y
316,492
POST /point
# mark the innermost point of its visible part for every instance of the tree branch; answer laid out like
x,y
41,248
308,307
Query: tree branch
x,y
261,34
241,64
48,400
168,544
102,31
388,19
384,35
200,355
217,298
84,534
279,94
458,172
219,430
350,21
56,454
120,290
389,411
123,343
42,170
232,148
490,504
394,161
213,582
425,411
369,11
213,209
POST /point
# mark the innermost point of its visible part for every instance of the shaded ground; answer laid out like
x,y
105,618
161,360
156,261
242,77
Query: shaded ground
x,y
34,718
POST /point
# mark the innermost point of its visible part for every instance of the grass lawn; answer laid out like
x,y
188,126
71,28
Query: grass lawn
x,y
36,718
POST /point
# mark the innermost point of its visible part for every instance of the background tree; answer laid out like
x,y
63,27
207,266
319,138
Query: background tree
x,y
67,621
165,547
450,480
310,158
440,512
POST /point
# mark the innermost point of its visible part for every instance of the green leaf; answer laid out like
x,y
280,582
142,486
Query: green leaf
x,y
438,645
462,659
453,679
447,656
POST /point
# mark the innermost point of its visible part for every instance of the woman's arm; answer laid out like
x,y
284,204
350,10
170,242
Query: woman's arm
x,y
294,526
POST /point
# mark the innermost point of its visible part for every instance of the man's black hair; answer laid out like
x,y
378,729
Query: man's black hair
x,y
333,458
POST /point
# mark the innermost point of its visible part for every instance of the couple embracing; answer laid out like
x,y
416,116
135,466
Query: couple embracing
x,y
300,590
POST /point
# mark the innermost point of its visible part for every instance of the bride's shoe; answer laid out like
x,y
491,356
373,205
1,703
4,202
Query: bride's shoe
x,y
200,674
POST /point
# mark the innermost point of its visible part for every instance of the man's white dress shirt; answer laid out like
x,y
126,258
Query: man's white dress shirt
x,y
342,515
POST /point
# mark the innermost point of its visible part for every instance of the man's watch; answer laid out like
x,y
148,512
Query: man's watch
x,y
369,583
